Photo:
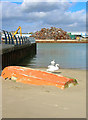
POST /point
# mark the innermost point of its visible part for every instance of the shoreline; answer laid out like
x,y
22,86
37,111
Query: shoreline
x,y
32,101
60,41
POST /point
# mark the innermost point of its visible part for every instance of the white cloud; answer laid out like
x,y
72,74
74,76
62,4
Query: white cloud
x,y
45,0
10,10
35,15
12,0
27,1
43,6
72,25
54,0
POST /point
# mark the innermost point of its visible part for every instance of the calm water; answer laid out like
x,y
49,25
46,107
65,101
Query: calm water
x,y
70,55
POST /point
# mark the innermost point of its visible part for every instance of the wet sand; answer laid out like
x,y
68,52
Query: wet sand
x,y
32,101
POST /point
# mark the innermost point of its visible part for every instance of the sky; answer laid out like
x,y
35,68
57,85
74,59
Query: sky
x,y
32,16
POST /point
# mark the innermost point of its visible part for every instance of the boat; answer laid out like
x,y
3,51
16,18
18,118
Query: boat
x,y
37,77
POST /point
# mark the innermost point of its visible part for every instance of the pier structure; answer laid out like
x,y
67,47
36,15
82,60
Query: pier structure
x,y
13,50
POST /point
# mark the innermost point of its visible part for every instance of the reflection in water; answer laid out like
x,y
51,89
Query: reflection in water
x,y
67,55
27,61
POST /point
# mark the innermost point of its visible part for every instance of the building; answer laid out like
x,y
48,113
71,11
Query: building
x,y
80,34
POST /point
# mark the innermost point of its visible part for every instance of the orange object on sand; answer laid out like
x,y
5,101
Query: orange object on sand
x,y
37,77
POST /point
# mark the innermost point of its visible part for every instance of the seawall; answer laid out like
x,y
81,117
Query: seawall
x,y
12,54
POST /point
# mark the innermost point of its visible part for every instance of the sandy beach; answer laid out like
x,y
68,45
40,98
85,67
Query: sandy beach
x,y
32,101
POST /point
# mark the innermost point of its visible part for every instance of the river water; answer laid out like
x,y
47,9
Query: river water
x,y
67,55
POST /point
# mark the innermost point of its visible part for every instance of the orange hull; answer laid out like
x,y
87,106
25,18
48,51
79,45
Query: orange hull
x,y
37,77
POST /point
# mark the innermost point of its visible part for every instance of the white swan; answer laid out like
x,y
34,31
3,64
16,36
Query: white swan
x,y
52,68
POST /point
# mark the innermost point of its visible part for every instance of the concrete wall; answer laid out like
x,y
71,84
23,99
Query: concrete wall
x,y
12,55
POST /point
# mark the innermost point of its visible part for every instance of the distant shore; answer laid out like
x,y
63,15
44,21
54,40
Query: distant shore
x,y
60,41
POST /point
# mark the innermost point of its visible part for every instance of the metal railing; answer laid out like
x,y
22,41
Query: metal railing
x,y
9,39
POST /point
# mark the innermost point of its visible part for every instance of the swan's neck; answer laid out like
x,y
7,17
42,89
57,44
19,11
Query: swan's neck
x,y
56,65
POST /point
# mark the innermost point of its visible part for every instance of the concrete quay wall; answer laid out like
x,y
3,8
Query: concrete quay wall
x,y
61,41
11,55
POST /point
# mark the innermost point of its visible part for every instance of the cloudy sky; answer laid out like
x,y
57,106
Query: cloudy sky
x,y
32,16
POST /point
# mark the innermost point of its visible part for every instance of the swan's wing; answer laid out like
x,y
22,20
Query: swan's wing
x,y
51,70
52,63
50,66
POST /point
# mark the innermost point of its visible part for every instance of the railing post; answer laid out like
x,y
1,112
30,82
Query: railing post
x,y
22,40
8,37
19,40
16,40
5,37
12,38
